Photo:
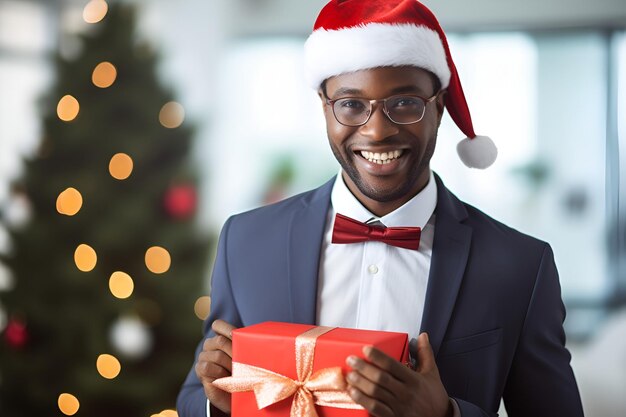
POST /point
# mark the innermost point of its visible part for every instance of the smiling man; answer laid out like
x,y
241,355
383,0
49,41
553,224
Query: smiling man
x,y
386,246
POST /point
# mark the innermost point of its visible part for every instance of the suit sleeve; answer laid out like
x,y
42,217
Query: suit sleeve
x,y
541,382
192,401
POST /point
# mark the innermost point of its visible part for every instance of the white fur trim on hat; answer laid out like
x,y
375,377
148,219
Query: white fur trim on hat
x,y
333,52
479,152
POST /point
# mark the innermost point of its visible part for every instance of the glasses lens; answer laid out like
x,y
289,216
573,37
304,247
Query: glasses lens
x,y
405,109
351,111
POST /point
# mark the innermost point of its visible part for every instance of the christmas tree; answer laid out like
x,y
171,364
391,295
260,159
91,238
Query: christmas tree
x,y
110,265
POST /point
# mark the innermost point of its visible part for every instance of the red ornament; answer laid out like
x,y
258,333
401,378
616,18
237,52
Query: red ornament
x,y
16,334
180,201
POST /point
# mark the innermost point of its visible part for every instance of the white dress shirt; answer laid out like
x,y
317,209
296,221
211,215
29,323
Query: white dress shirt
x,y
372,285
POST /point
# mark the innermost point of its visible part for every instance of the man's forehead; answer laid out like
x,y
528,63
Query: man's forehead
x,y
392,80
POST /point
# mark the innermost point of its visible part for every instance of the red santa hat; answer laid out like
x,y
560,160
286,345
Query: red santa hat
x,y
352,35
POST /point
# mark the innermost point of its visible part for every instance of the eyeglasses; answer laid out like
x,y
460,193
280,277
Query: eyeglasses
x,y
400,109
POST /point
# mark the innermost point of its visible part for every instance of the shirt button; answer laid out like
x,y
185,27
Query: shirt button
x,y
373,269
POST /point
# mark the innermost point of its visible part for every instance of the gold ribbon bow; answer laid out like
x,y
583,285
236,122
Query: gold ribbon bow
x,y
325,387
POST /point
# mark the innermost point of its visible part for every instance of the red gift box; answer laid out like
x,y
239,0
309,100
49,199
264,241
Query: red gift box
x,y
266,357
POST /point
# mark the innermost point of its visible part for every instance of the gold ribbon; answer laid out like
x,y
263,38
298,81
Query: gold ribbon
x,y
326,387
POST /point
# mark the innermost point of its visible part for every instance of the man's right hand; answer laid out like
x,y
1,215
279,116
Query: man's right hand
x,y
215,361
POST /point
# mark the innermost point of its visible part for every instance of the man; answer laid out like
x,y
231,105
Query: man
x,y
386,246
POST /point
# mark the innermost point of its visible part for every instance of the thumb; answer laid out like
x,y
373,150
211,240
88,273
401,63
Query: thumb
x,y
425,356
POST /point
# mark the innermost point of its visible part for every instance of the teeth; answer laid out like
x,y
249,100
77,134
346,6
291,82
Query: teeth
x,y
381,158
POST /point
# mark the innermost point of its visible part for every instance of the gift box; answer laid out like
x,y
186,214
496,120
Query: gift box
x,y
298,370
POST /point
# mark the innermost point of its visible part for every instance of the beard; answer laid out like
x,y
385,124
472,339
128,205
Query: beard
x,y
393,193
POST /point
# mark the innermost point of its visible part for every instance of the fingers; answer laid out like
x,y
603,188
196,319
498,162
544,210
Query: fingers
x,y
223,338
210,371
425,356
373,406
223,328
212,365
219,342
373,374
370,388
215,360
391,365
218,357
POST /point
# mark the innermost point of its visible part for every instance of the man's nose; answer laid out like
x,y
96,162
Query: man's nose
x,y
379,126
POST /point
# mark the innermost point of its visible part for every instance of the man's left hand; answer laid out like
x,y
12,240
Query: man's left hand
x,y
386,388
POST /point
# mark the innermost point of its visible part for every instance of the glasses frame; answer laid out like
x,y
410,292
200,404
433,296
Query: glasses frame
x,y
374,102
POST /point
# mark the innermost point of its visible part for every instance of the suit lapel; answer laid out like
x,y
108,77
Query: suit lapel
x,y
306,231
451,248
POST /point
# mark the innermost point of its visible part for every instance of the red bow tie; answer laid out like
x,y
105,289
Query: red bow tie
x,y
348,230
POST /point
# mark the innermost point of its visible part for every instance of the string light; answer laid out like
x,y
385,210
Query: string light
x,y
202,307
121,166
104,75
121,284
69,202
166,413
85,258
131,337
68,108
95,11
108,366
68,404
172,115
158,260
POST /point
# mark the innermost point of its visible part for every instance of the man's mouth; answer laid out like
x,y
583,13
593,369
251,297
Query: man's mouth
x,y
382,158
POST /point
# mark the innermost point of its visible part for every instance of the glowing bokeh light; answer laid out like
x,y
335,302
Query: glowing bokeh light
x,y
108,366
168,413
172,115
68,108
121,284
158,260
95,11
202,307
85,258
121,166
68,404
69,202
104,75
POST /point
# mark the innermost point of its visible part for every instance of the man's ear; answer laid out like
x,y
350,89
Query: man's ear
x,y
322,97
441,105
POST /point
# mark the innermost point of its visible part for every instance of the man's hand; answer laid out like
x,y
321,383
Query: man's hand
x,y
215,361
386,388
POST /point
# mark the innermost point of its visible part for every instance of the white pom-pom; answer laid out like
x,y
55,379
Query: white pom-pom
x,y
479,152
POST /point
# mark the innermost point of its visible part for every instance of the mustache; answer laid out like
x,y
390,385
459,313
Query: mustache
x,y
390,142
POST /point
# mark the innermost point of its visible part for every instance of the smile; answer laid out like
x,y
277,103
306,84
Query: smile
x,y
382,158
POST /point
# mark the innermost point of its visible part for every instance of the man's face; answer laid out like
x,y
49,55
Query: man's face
x,y
405,175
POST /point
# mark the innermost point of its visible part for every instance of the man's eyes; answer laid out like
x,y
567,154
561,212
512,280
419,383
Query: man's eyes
x,y
352,104
405,101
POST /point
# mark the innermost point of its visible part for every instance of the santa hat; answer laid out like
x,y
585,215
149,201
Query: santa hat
x,y
352,35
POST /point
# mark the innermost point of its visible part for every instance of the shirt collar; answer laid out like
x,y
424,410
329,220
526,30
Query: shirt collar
x,y
414,213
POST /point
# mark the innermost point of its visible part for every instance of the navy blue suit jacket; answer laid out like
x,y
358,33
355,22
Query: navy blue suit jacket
x,y
493,307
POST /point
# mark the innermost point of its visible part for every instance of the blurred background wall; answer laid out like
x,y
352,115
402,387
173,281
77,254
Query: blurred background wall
x,y
545,80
